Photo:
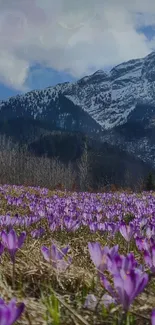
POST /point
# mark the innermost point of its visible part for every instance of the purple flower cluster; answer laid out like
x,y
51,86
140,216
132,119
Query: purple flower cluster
x,y
129,217
106,212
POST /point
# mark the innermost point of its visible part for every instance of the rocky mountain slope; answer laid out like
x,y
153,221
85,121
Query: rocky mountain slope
x,y
118,107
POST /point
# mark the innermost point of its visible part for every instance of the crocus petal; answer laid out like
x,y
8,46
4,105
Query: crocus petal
x,y
21,239
95,253
5,315
115,265
122,295
126,231
46,253
10,313
123,231
65,250
12,240
147,258
107,285
17,312
1,248
4,238
153,317
55,253
143,281
129,284
153,255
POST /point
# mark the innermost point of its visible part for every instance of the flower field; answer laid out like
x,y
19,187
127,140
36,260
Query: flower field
x,y
76,258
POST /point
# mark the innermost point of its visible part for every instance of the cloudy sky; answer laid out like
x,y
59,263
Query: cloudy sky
x,y
44,42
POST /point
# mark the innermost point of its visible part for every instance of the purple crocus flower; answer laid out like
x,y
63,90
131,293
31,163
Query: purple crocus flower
x,y
101,256
12,242
129,285
142,243
71,225
90,302
56,256
126,231
10,313
153,317
37,233
97,255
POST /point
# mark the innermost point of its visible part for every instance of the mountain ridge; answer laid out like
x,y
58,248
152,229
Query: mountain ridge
x,y
106,92
99,105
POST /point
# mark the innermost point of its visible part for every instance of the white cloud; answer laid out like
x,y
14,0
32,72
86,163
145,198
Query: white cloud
x,y
70,35
13,71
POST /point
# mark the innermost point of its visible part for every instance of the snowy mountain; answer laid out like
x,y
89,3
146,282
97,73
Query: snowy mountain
x,y
118,106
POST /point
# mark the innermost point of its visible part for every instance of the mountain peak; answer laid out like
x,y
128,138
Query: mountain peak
x,y
150,55
99,72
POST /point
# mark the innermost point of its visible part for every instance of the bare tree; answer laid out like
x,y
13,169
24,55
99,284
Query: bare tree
x,y
18,166
84,169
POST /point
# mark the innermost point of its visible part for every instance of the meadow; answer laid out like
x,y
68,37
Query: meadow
x,y
76,258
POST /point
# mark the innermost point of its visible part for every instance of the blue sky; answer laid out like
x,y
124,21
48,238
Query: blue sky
x,y
39,77
48,42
